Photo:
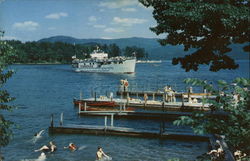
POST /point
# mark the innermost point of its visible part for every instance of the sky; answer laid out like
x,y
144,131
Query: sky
x,y
32,20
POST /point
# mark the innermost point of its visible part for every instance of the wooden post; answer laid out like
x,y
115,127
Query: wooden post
x,y
80,94
52,121
85,106
79,107
127,98
95,96
153,96
105,121
137,96
112,120
124,107
61,120
202,102
106,93
182,100
92,93
120,107
163,106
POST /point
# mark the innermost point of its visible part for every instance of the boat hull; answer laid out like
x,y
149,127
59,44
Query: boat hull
x,y
96,103
128,66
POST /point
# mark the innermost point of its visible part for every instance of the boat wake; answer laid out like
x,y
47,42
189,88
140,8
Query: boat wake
x,y
42,157
82,147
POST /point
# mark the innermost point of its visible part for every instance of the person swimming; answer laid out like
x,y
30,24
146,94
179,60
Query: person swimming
x,y
48,148
71,147
100,154
39,133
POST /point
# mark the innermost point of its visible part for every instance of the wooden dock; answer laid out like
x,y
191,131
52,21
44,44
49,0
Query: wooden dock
x,y
149,104
123,131
167,116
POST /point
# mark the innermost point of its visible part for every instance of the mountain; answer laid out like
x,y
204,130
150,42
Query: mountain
x,y
151,45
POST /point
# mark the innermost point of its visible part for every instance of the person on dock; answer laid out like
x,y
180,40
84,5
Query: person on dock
x,y
71,147
100,154
48,148
218,153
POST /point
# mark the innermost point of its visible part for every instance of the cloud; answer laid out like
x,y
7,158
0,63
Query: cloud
x,y
56,15
92,18
128,21
113,30
99,26
26,25
111,4
128,9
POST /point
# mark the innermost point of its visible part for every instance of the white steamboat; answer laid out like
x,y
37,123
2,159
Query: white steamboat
x,y
100,63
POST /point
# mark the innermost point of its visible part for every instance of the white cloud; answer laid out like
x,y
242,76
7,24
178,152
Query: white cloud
x,y
92,18
128,21
118,3
10,38
99,26
113,30
56,15
26,25
128,9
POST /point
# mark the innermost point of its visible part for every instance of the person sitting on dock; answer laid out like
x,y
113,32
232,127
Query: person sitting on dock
x,y
48,148
218,153
71,147
100,154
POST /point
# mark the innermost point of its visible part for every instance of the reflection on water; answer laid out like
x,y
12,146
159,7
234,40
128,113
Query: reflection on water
x,y
45,89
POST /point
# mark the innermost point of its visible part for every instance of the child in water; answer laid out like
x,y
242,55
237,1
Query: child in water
x,y
71,147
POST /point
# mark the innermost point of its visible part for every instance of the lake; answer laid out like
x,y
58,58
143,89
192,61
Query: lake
x,y
42,90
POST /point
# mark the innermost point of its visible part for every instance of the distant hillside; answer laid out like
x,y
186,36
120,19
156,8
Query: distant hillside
x,y
154,49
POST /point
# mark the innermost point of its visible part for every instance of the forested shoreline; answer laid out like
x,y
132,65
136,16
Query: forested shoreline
x,y
61,53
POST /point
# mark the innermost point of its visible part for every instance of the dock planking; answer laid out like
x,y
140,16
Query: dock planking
x,y
128,132
148,105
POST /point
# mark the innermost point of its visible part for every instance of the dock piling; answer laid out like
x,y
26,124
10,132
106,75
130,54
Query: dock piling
x,y
79,107
112,120
52,121
95,96
80,95
61,120
105,121
85,106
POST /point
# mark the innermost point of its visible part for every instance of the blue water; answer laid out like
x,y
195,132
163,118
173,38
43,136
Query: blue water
x,y
41,90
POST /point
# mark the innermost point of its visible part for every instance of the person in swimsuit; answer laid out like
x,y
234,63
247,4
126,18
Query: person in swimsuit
x,y
47,148
100,154
71,147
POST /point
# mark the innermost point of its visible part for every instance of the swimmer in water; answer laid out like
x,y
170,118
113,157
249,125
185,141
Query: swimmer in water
x,y
71,147
100,154
47,148
39,133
